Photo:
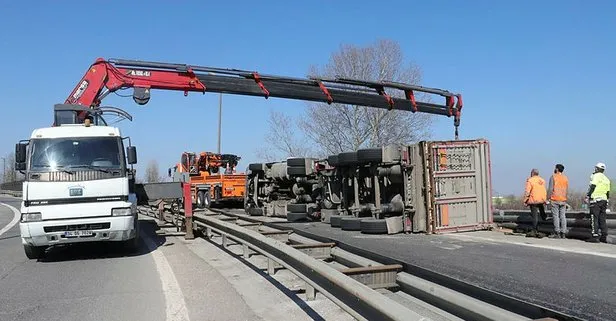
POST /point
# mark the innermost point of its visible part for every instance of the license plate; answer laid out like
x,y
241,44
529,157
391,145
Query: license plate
x,y
77,233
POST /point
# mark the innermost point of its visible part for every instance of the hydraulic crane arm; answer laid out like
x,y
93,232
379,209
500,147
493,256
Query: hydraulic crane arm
x,y
107,76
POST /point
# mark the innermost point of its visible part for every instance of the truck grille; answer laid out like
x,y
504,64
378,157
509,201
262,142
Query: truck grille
x,y
75,227
75,177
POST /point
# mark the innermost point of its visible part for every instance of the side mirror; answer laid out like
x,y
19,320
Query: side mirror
x,y
20,166
169,172
131,152
20,153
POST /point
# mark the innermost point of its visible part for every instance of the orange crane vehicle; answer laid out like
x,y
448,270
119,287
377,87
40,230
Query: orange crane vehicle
x,y
207,183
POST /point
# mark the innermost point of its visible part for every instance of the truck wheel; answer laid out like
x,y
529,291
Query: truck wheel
x,y
296,161
203,199
332,160
34,252
200,199
294,217
132,245
296,208
351,224
347,158
373,226
253,211
334,220
255,167
296,170
370,155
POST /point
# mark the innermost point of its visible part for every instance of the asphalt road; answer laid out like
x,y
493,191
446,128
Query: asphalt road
x,y
169,278
77,283
581,284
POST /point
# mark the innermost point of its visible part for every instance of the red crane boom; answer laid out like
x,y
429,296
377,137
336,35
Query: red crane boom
x,y
107,76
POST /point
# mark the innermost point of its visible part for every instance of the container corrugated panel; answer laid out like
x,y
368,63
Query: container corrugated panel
x,y
460,185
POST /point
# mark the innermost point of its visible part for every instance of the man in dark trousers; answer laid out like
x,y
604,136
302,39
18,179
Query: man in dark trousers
x,y
535,197
598,196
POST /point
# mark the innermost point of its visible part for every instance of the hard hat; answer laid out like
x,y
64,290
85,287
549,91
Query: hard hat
x,y
600,165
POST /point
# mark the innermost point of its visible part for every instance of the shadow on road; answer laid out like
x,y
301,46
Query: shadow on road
x,y
105,250
291,294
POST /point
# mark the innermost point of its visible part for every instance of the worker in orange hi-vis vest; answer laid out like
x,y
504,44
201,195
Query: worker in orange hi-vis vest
x,y
535,197
557,198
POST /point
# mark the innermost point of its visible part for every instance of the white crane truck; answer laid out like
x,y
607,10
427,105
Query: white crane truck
x,y
78,185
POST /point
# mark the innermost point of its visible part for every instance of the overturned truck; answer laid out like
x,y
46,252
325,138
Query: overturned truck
x,y
430,187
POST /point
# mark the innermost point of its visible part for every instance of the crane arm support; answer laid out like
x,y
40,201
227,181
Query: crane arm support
x,y
104,75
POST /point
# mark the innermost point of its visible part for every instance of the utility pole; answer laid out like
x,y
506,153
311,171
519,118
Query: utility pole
x,y
219,119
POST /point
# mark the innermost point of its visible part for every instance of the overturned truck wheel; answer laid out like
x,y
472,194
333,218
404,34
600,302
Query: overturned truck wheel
x,y
253,211
347,158
334,220
373,226
256,167
296,208
350,224
297,161
294,217
370,155
332,160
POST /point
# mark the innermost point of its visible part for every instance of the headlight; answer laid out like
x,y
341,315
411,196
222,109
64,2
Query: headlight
x,y
31,217
126,211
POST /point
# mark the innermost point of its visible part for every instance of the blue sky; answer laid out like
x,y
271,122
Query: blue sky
x,y
537,76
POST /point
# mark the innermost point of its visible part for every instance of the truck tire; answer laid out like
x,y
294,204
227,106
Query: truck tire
x,y
296,208
296,161
294,217
334,220
253,211
296,170
256,167
132,245
370,155
332,160
34,252
327,213
373,226
347,158
207,201
351,223
203,199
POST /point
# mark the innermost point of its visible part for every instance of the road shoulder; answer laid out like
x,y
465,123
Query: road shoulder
x,y
559,245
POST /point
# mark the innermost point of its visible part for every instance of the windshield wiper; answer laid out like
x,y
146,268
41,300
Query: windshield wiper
x,y
59,168
91,167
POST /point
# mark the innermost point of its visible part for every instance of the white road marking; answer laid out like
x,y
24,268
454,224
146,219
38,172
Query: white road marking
x,y
577,250
175,306
16,215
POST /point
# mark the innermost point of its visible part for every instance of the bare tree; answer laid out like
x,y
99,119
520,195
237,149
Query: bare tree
x,y
281,141
337,127
9,174
152,173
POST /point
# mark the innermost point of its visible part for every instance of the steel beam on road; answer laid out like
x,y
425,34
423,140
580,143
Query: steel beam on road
x,y
376,277
322,251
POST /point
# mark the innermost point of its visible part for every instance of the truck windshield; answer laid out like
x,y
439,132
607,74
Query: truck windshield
x,y
75,153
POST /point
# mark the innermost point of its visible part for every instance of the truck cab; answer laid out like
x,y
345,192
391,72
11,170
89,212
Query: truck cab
x,y
78,186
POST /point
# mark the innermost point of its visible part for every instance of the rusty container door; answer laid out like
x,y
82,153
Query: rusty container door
x,y
460,185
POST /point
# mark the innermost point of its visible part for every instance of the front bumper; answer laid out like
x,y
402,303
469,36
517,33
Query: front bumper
x,y
52,232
